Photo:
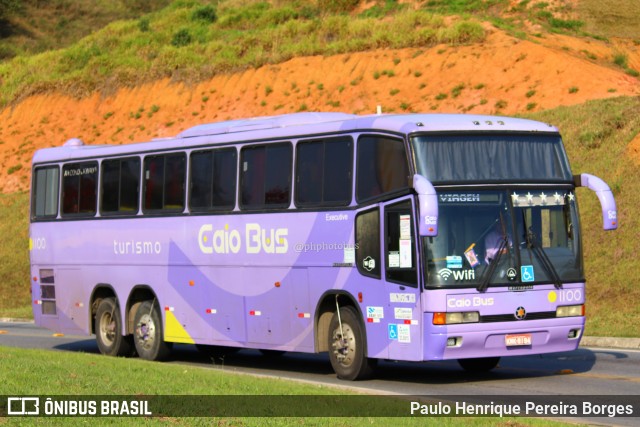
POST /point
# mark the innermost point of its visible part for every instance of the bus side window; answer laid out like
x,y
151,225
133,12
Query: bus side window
x,y
368,242
265,176
174,182
45,192
213,180
382,167
164,182
120,186
323,172
79,181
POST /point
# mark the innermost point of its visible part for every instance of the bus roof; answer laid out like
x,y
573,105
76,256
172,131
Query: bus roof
x,y
297,125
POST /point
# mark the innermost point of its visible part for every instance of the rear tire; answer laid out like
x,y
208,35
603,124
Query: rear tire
x,y
482,364
148,335
108,327
347,350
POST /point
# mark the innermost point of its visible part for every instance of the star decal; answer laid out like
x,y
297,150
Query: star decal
x,y
557,198
543,198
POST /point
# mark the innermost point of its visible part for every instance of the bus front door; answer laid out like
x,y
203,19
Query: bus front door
x,y
401,276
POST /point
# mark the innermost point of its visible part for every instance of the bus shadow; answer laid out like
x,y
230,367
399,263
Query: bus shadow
x,y
440,372
509,368
80,346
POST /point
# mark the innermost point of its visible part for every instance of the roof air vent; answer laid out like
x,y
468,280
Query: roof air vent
x,y
73,143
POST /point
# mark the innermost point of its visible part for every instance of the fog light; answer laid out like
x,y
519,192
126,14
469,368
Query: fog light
x,y
574,333
454,341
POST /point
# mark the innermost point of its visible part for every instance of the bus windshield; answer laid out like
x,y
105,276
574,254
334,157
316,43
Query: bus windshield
x,y
491,157
506,237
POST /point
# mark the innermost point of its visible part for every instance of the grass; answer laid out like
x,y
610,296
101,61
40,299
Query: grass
x,y
15,300
36,26
174,44
610,18
46,373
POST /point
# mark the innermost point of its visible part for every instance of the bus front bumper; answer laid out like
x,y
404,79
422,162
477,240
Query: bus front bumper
x,y
515,338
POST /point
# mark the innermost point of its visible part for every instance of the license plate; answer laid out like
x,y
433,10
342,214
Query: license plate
x,y
516,340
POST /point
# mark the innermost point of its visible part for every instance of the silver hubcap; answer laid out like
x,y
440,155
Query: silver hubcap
x,y
344,345
146,332
107,328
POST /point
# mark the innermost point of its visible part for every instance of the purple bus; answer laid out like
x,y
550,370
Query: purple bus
x,y
401,237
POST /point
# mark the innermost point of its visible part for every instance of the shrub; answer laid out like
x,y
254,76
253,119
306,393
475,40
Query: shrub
x,y
14,169
181,38
205,13
144,25
620,59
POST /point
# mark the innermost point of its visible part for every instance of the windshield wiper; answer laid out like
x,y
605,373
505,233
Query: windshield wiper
x,y
488,274
541,254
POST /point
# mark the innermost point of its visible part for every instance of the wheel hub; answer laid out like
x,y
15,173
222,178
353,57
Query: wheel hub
x,y
344,345
145,331
107,328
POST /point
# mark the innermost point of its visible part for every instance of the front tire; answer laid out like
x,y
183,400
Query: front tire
x,y
482,364
108,327
148,334
347,350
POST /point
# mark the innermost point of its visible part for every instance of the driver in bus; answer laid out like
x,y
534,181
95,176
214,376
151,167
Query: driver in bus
x,y
494,240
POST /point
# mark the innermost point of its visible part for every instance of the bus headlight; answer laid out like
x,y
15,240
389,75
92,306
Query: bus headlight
x,y
455,318
570,311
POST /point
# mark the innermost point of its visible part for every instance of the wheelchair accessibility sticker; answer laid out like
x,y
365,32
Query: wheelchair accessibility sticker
x,y
393,331
526,273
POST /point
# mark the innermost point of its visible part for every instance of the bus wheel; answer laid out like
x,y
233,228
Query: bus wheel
x,y
482,364
346,346
148,336
108,327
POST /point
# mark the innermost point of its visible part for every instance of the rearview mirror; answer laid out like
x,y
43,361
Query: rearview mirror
x,y
428,206
605,195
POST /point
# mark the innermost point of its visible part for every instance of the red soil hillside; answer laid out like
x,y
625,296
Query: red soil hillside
x,y
502,75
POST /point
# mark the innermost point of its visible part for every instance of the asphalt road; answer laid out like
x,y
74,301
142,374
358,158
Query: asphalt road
x,y
586,371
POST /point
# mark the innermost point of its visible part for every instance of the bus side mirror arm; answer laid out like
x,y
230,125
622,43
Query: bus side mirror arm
x,y
605,195
428,206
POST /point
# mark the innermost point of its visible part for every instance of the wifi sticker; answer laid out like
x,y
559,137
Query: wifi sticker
x,y
445,273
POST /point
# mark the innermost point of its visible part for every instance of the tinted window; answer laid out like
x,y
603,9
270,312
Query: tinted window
x,y
323,172
164,182
382,166
368,243
266,176
45,192
400,244
79,182
491,157
120,186
213,179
